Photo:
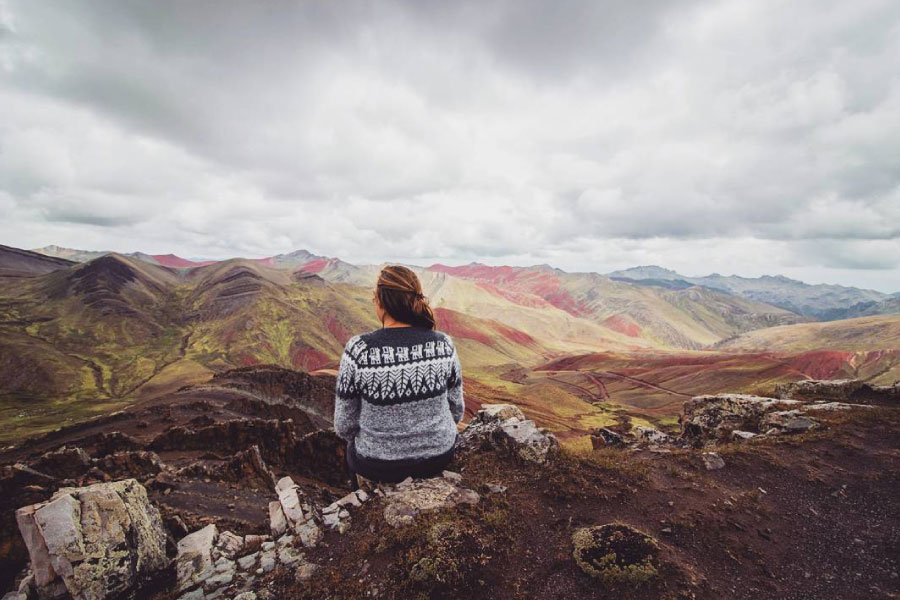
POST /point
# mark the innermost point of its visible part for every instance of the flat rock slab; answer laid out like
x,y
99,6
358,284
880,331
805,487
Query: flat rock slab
x,y
194,562
411,497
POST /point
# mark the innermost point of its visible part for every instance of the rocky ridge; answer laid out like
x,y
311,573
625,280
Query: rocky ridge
x,y
309,522
77,541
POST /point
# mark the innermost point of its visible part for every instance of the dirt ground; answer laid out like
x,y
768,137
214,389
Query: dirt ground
x,y
803,517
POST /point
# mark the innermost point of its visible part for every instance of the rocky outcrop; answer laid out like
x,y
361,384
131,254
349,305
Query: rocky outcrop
x,y
714,417
408,498
277,386
853,391
139,464
93,542
214,564
290,513
320,455
316,454
603,437
64,463
273,437
112,442
651,435
220,564
247,467
787,421
504,427
337,514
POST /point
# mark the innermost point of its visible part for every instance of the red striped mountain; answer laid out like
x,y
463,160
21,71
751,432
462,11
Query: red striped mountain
x,y
88,337
691,317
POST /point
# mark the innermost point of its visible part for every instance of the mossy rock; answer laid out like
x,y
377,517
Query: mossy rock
x,y
616,553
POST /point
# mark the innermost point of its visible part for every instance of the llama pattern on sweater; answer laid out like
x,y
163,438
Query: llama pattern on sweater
x,y
399,393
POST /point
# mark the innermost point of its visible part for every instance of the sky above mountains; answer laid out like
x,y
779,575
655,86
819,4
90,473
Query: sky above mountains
x,y
744,137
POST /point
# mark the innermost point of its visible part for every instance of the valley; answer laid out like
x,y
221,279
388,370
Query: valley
x,y
86,333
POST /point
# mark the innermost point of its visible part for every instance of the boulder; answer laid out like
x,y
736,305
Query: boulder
x,y
527,441
410,497
714,417
504,427
498,412
93,542
651,435
712,461
606,437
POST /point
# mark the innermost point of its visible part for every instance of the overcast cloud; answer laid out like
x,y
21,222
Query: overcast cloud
x,y
743,137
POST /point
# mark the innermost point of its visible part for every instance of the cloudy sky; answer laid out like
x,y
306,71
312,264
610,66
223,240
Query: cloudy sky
x,y
747,136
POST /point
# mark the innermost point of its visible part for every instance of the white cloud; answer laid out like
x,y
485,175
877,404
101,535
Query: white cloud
x,y
735,135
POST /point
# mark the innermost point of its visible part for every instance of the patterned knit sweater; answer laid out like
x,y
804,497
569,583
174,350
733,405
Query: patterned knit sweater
x,y
399,393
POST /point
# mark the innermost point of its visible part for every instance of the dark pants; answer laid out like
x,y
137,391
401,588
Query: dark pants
x,y
394,471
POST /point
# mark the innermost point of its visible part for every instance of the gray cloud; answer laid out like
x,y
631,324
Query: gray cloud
x,y
732,135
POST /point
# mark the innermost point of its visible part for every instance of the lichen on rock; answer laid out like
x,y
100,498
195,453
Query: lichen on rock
x,y
95,541
504,426
413,496
616,553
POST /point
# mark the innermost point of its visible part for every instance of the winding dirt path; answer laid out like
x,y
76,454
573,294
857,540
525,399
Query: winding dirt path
x,y
640,382
604,393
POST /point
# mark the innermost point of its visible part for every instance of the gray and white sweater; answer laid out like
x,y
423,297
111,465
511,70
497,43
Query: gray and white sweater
x,y
399,393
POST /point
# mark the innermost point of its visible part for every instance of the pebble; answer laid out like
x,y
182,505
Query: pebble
x,y
306,572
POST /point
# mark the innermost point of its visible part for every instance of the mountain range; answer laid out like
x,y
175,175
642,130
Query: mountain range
x,y
84,332
825,302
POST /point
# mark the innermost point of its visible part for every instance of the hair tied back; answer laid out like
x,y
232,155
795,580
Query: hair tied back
x,y
400,294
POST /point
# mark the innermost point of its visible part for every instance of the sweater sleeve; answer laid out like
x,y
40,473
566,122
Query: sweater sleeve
x,y
455,387
346,398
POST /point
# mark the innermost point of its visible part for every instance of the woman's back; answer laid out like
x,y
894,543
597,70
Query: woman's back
x,y
399,394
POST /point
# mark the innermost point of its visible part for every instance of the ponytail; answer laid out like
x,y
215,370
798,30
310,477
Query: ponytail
x,y
400,294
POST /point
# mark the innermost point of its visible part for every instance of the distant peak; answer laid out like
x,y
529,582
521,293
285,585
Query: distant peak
x,y
299,252
647,272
